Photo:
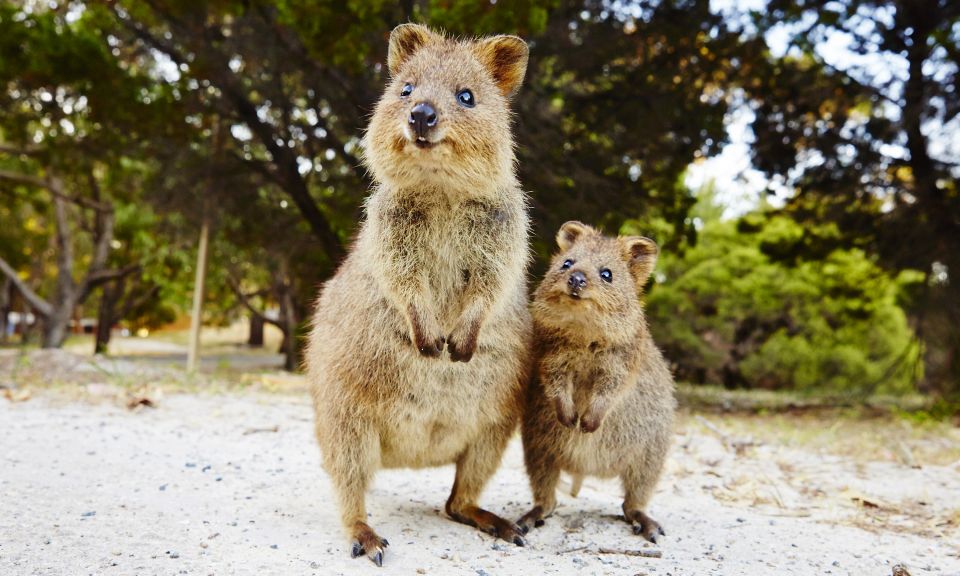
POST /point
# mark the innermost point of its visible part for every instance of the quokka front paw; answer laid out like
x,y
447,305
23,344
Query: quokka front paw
x,y
430,347
462,342
426,341
593,417
566,411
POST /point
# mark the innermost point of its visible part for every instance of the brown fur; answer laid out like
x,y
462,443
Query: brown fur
x,y
602,401
439,262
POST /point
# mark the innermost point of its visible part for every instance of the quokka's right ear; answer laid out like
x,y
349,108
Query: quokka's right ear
x,y
569,233
405,40
641,254
506,59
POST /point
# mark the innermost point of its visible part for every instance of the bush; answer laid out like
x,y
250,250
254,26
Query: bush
x,y
737,310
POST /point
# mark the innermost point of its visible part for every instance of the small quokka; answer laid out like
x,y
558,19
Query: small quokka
x,y
602,401
420,349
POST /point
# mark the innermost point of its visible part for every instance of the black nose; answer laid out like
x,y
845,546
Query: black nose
x,y
422,118
577,281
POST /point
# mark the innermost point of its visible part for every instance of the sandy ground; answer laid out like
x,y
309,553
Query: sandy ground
x,y
231,484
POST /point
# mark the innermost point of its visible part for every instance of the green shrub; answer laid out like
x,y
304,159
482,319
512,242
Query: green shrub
x,y
737,310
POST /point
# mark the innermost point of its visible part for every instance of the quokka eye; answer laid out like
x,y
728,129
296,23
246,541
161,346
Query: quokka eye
x,y
466,99
566,264
407,90
607,275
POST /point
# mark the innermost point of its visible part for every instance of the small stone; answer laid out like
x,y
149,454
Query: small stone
x,y
274,546
88,514
163,487
173,554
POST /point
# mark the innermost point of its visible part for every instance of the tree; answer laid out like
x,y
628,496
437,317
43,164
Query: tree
x,y
69,293
72,113
870,151
618,100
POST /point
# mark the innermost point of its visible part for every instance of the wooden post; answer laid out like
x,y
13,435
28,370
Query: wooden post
x,y
193,353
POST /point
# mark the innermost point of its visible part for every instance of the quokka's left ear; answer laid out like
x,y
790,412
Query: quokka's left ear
x,y
405,40
506,59
641,256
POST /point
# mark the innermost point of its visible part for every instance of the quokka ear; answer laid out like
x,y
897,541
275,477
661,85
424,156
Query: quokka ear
x,y
405,40
641,256
569,233
506,59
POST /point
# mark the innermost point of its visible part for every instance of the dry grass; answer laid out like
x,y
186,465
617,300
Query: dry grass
x,y
889,438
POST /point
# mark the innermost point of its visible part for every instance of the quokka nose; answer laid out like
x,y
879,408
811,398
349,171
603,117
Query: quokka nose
x,y
577,281
422,118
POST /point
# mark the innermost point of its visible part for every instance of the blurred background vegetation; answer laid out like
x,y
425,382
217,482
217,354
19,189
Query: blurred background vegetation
x,y
126,126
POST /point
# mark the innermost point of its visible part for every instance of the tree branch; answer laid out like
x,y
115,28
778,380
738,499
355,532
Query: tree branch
x,y
98,277
19,151
245,300
219,74
39,305
19,178
55,189
130,304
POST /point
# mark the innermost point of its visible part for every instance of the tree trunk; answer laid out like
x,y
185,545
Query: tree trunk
x,y
288,318
106,315
6,296
56,325
256,331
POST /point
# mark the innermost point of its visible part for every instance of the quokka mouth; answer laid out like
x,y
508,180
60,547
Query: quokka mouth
x,y
424,144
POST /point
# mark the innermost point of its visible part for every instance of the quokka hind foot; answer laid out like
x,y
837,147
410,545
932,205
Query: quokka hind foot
x,y
644,525
490,523
367,542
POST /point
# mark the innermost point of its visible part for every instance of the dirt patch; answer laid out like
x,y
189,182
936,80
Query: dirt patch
x,y
231,483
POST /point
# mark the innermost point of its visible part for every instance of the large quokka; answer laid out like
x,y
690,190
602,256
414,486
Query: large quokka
x,y
602,400
420,348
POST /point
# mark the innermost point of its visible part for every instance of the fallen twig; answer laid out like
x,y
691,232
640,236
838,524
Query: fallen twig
x,y
642,552
274,428
577,549
738,445
713,428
